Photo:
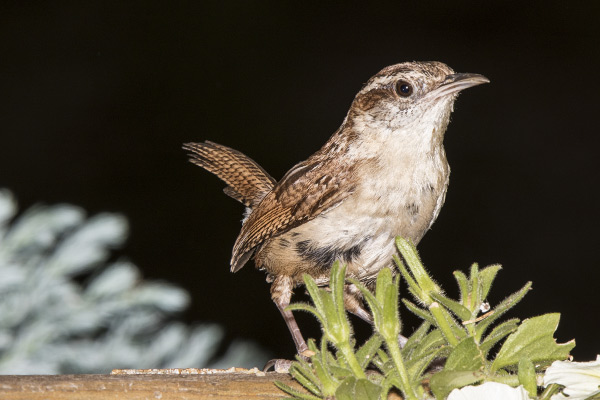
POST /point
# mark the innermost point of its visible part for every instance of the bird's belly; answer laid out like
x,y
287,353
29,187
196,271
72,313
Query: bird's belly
x,y
359,232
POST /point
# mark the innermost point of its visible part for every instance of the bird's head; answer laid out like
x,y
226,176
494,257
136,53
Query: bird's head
x,y
410,94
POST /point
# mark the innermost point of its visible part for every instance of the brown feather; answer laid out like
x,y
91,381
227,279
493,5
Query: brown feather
x,y
247,181
306,191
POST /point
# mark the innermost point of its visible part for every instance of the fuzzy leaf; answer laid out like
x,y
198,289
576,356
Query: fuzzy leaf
x,y
486,278
501,308
313,291
352,388
328,382
475,298
466,356
303,373
443,382
445,322
366,352
413,287
463,285
498,333
527,376
433,341
294,392
338,276
416,338
411,256
384,280
534,341
374,305
391,319
416,367
419,312
458,309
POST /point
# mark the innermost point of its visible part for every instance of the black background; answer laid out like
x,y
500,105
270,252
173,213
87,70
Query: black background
x,y
97,97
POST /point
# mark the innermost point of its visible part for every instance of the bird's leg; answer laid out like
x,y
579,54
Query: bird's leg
x,y
353,303
281,293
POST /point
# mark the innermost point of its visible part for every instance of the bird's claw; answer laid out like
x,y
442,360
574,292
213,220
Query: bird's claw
x,y
279,365
282,365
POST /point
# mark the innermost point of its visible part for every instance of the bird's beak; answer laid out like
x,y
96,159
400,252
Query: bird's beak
x,y
454,83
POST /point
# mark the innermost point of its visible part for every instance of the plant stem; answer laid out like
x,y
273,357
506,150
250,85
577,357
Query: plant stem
x,y
350,358
409,392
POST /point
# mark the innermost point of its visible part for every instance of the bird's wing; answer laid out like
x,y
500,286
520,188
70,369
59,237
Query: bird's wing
x,y
307,190
247,181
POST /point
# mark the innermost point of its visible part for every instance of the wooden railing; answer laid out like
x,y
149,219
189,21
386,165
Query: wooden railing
x,y
235,383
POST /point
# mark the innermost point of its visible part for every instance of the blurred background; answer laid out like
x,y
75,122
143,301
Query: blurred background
x,y
97,97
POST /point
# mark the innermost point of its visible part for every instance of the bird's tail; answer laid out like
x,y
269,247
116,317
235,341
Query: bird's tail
x,y
246,181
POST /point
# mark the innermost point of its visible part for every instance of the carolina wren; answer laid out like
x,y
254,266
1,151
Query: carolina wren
x,y
382,174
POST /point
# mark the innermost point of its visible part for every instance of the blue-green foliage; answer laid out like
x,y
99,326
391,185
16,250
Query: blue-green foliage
x,y
52,323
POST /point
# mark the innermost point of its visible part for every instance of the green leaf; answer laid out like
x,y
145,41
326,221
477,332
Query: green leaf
x,y
313,291
474,296
413,287
302,372
352,388
527,376
367,351
340,373
296,393
486,278
365,389
308,308
458,309
444,322
466,356
382,361
338,276
336,326
391,319
534,341
419,312
416,338
416,367
498,333
424,281
500,309
384,280
463,285
374,305
443,382
328,383
433,341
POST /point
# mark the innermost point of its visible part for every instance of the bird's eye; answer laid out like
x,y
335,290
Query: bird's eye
x,y
404,89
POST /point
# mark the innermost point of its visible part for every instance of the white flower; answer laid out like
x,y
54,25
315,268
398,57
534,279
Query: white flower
x,y
580,379
489,391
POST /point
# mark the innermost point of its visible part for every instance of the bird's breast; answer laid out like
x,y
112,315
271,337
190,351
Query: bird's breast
x,y
397,197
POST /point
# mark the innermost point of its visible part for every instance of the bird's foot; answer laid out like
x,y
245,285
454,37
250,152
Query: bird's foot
x,y
279,365
282,365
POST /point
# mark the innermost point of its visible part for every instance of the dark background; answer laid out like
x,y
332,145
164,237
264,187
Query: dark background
x,y
97,97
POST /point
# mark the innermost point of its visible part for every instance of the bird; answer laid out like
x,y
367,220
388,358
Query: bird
x,y
382,174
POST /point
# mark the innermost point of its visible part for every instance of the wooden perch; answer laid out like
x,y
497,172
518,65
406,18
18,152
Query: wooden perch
x,y
180,384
